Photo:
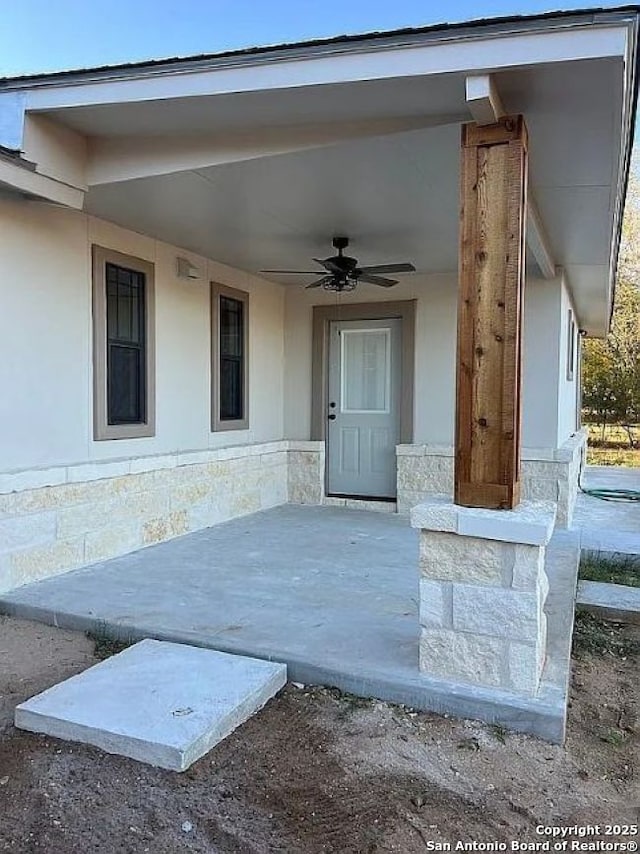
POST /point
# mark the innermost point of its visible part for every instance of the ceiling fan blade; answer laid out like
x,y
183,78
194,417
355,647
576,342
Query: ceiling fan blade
x,y
293,272
389,268
377,280
329,265
323,281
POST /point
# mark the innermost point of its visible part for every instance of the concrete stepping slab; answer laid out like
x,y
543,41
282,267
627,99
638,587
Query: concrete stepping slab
x,y
166,704
611,601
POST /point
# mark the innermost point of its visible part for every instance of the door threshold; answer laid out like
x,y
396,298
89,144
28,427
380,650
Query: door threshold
x,y
376,505
385,499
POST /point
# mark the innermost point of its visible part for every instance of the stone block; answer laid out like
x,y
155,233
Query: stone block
x,y
273,489
32,479
449,557
97,471
23,532
274,459
7,504
161,703
371,506
528,565
202,515
231,453
539,489
436,514
435,604
530,522
428,475
306,445
218,469
409,451
524,665
496,612
542,469
6,574
145,464
43,561
83,518
305,477
112,541
173,525
80,519
186,495
48,498
460,657
190,458
245,502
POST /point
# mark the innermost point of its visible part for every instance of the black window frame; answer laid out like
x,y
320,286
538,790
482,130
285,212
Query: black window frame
x,y
222,358
121,343
106,424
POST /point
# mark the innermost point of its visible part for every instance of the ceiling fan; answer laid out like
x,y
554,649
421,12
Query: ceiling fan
x,y
342,273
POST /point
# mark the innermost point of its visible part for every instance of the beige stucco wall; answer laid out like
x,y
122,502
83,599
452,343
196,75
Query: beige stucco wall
x,y
66,500
567,389
434,362
45,329
434,401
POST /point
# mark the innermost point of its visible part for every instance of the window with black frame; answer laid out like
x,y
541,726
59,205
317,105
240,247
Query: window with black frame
x,y
231,359
126,346
230,369
123,345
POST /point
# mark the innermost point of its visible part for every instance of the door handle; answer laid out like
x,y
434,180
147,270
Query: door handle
x,y
331,416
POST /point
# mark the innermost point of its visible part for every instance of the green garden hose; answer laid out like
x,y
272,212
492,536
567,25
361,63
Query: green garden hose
x,y
609,494
613,494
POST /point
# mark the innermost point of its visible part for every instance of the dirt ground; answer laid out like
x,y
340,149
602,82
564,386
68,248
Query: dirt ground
x,y
317,771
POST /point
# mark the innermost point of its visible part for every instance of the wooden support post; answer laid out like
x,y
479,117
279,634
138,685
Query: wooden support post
x,y
491,280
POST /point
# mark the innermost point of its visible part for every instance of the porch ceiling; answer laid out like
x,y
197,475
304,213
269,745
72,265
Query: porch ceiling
x,y
395,193
257,161
395,197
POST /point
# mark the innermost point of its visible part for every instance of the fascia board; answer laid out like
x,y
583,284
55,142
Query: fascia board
x,y
471,55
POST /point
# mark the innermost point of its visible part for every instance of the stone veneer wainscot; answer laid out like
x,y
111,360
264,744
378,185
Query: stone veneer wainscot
x,y
483,587
547,474
56,519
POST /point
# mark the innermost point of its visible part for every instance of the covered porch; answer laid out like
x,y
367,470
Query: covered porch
x,y
193,199
330,591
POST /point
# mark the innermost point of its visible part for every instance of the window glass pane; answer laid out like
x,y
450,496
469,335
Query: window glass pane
x,y
231,327
125,381
112,301
126,356
366,370
125,307
231,359
231,389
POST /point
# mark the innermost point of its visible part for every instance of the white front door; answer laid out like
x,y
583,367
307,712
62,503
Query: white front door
x,y
364,407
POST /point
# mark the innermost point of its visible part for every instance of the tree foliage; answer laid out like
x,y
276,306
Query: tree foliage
x,y
611,367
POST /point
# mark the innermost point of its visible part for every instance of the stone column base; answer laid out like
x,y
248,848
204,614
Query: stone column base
x,y
482,592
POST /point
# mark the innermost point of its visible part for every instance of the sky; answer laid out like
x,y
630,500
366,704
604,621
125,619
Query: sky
x,y
54,35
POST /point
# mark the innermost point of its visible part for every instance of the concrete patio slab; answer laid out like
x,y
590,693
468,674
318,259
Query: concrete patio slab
x,y
608,526
330,591
165,704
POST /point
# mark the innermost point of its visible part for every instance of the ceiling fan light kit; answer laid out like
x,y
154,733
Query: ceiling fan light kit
x,y
342,272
